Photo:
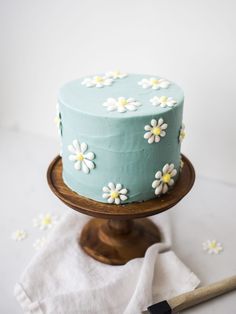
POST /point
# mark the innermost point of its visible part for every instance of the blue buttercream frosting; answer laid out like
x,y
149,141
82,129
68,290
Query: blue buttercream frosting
x,y
121,154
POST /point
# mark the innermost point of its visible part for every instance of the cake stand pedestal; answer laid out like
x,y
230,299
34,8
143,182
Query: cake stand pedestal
x,y
116,236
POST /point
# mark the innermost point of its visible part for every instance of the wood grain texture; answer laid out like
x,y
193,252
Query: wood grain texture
x,y
189,299
116,239
127,211
102,242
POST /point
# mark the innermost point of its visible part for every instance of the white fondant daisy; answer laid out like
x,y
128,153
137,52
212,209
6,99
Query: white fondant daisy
x,y
19,235
114,193
121,104
182,133
154,83
97,81
45,221
155,130
81,160
212,247
164,179
163,101
40,243
116,74
58,120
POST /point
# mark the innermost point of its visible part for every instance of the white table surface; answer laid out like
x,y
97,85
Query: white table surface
x,y
208,212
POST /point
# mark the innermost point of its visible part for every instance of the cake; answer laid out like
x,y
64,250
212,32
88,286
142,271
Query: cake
x,y
121,136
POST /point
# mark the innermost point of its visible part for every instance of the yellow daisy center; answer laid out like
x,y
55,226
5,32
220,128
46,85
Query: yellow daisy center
x,y
80,157
213,245
123,102
154,81
114,194
166,178
156,131
47,220
99,79
182,134
163,99
57,120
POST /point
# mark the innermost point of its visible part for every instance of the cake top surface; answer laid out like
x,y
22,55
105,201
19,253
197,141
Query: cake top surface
x,y
121,95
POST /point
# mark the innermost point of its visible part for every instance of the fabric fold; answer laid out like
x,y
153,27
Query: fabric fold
x,y
61,278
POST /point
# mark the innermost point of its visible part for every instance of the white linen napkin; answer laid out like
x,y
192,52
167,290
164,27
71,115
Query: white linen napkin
x,y
62,279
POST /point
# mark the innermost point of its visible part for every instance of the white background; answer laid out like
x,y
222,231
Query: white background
x,y
46,43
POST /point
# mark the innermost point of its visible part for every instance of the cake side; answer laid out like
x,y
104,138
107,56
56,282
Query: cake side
x,y
120,156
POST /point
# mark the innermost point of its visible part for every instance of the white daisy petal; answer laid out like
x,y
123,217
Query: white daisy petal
x,y
165,188
110,200
148,135
111,108
106,189
105,195
164,126
111,186
171,182
151,139
158,189
123,197
77,165
163,133
155,183
117,200
89,156
83,147
157,138
118,187
85,169
153,122
171,167
123,191
147,128
121,109
111,101
158,175
160,122
130,100
121,104
165,168
108,82
164,84
89,163
131,107
173,173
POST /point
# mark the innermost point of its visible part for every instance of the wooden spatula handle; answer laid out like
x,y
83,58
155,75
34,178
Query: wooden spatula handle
x,y
200,295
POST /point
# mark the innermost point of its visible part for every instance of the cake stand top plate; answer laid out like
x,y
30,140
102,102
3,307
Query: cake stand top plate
x,y
127,211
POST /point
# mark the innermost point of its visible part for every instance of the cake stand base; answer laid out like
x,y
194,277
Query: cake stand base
x,y
119,233
116,242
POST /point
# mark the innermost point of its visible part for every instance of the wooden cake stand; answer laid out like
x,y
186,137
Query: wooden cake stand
x,y
114,237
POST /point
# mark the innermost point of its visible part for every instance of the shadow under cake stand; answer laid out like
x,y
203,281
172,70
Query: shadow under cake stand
x,y
116,236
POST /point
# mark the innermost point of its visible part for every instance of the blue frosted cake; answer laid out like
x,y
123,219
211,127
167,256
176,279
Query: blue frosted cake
x,y
121,136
